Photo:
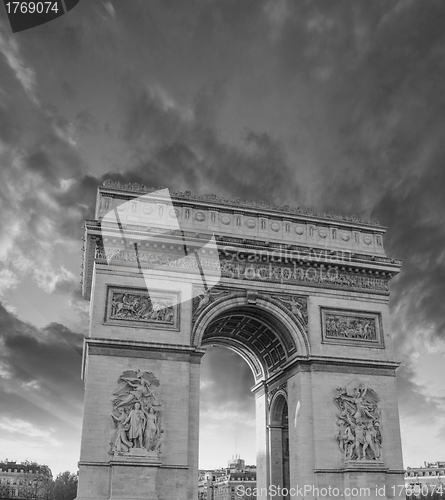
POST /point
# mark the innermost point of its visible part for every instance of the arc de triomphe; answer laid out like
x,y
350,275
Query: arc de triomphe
x,y
301,296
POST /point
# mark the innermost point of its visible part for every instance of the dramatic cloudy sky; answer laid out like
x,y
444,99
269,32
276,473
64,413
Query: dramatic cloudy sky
x,y
332,104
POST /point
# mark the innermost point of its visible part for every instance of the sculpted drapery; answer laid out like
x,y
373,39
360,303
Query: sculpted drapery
x,y
137,414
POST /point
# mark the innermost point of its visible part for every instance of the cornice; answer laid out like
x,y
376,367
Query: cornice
x,y
313,363
95,227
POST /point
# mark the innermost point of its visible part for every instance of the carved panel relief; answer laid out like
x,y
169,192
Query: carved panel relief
x,y
297,305
203,297
358,436
142,308
358,328
137,416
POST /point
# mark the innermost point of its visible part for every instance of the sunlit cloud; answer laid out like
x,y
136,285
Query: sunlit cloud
x,y
24,74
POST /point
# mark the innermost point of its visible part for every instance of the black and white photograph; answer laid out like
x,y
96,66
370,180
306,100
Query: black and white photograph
x,y
222,249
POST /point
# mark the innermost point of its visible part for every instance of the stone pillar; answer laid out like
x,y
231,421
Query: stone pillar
x,y
137,474
301,438
262,444
276,457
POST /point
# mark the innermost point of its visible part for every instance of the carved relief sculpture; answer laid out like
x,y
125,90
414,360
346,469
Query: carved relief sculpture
x,y
142,308
137,307
297,306
350,327
359,436
137,415
203,298
359,328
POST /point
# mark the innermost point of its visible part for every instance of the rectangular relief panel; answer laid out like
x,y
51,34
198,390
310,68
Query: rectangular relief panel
x,y
142,308
355,328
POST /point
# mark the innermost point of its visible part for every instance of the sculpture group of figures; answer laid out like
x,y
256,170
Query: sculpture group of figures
x,y
141,308
350,328
359,435
137,414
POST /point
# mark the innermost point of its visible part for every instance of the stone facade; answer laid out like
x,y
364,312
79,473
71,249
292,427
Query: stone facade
x,y
301,296
419,481
21,480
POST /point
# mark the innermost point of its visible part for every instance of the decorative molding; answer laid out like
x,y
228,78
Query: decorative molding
x,y
137,415
271,394
237,202
142,308
307,253
359,436
355,328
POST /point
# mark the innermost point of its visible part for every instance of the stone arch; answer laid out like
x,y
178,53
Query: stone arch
x,y
278,404
266,316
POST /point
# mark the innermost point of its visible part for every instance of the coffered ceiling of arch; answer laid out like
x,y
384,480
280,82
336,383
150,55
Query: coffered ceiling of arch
x,y
255,333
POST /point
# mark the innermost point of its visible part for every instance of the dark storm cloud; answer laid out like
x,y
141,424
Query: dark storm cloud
x,y
50,353
86,121
182,147
390,161
68,91
46,360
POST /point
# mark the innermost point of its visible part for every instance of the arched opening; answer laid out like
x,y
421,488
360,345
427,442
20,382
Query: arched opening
x,y
279,442
266,343
254,333
227,409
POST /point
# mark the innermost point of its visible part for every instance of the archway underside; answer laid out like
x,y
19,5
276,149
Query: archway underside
x,y
256,337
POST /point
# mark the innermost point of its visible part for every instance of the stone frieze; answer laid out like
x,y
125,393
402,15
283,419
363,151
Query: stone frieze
x,y
359,328
292,273
141,307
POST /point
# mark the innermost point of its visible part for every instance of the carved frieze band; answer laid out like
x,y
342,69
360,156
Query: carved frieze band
x,y
359,436
137,416
268,272
142,308
357,328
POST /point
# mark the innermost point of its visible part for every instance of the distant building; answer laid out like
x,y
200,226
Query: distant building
x,y
431,475
221,484
14,477
205,483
